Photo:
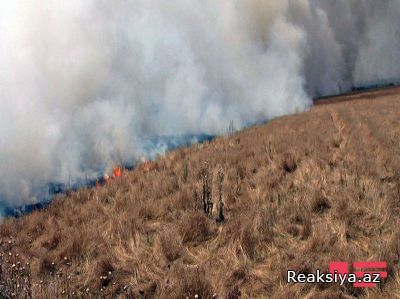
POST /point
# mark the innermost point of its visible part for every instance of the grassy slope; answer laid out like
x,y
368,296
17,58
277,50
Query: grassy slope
x,y
299,192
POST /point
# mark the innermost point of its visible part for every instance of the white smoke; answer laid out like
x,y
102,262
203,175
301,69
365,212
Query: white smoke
x,y
83,83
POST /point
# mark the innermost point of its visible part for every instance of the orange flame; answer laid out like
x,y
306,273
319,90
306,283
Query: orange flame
x,y
117,172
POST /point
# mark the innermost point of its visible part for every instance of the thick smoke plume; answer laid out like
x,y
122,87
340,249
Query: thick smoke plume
x,y
83,84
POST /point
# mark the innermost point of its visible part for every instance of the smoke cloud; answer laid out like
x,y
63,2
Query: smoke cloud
x,y
84,84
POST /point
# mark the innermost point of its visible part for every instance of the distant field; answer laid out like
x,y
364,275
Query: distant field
x,y
372,93
297,193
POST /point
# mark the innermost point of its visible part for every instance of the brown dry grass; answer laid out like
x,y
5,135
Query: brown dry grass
x,y
298,192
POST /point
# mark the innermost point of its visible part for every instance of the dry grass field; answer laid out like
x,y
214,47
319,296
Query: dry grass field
x,y
295,193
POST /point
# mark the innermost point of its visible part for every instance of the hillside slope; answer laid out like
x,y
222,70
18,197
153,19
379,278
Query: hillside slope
x,y
298,192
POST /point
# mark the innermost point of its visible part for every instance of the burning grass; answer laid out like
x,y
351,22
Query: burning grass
x,y
294,194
